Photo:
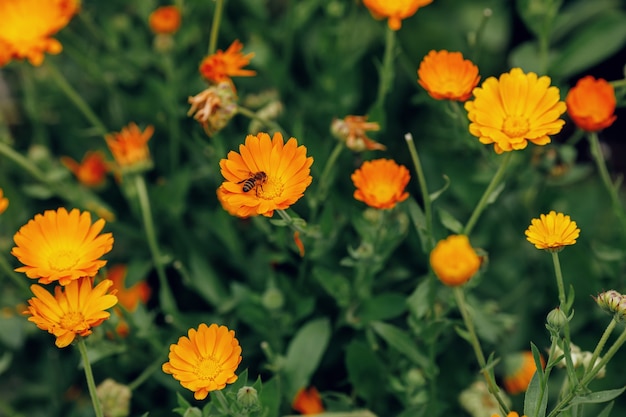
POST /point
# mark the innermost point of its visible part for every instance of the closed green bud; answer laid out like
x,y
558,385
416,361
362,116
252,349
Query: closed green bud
x,y
193,412
556,320
248,398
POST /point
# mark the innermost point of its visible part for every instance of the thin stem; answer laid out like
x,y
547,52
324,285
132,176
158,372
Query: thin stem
x,y
221,399
423,188
480,356
156,365
596,353
15,277
559,282
324,179
495,181
267,122
165,293
215,26
173,126
291,222
386,78
23,162
89,375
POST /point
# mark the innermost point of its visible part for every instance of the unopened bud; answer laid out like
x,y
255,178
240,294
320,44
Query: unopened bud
x,y
273,298
556,320
192,412
247,397
612,302
114,398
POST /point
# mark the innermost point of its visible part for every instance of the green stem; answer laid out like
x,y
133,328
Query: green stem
x,y
156,365
291,222
215,26
386,78
221,399
266,122
596,353
173,126
31,105
493,388
324,180
166,298
14,276
23,163
495,181
559,282
89,375
423,188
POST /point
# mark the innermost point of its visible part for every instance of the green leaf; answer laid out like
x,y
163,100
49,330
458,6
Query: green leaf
x,y
436,194
538,16
335,284
418,301
536,399
450,222
606,411
402,342
575,14
596,397
419,221
269,397
382,307
537,359
365,371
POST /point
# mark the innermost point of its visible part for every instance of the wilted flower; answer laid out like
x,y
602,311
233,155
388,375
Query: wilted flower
x,y
73,310
520,368
165,20
206,360
394,10
552,231
4,202
130,147
478,401
91,171
591,104
381,183
454,260
214,107
352,130
515,109
579,359
447,76
222,66
308,401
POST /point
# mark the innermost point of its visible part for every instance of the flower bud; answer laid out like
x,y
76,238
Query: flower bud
x,y
273,299
612,302
192,412
247,397
115,398
556,320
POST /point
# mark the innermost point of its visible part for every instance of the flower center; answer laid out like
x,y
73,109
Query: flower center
x,y
63,260
271,189
515,126
73,321
208,368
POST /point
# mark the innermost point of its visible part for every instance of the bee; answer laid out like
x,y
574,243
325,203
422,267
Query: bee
x,y
256,180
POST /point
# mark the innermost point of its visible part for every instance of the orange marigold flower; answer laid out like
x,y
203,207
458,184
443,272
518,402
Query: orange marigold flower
x,y
206,360
91,172
447,76
394,10
74,310
130,147
511,414
61,246
515,109
520,368
4,202
352,131
454,260
221,66
591,104
308,401
380,183
129,298
552,231
165,20
266,175
27,27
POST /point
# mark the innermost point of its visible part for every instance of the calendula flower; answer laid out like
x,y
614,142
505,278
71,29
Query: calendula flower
x,y
515,109
222,66
511,414
206,360
308,401
552,231
165,20
130,147
61,246
591,104
214,107
520,368
381,183
447,76
266,175
454,260
27,27
4,202
73,310
91,171
352,130
394,10
129,298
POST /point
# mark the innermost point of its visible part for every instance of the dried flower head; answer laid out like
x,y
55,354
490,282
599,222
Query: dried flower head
x,y
352,130
27,27
130,148
381,183
308,401
91,171
520,368
206,360
214,107
165,20
73,310
552,231
447,76
454,260
394,10
223,65
591,104
515,109
61,246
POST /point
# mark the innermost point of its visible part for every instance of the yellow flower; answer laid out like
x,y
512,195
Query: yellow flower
x,y
520,370
4,202
515,109
27,27
165,20
74,310
380,183
454,261
266,175
447,76
91,171
552,231
61,246
221,66
130,147
511,414
394,10
206,360
352,131
591,104
308,401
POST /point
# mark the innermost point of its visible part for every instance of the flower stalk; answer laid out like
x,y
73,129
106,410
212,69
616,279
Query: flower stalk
x,y
423,188
91,384
215,26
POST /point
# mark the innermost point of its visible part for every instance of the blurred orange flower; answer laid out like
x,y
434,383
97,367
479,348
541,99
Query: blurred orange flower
x,y
552,231
308,401
511,414
73,310
4,202
591,104
381,183
129,298
27,27
130,147
61,246
454,260
221,66
91,172
520,368
394,10
352,131
515,109
165,20
447,76
266,175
